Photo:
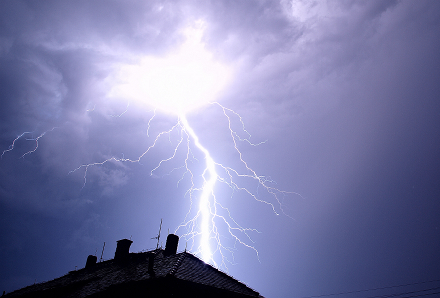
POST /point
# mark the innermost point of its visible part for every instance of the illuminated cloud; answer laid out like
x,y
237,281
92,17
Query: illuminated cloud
x,y
180,81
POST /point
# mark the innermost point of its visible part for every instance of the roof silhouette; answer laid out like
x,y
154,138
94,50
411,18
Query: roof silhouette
x,y
145,274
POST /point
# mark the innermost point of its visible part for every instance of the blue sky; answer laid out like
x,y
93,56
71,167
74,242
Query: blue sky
x,y
344,96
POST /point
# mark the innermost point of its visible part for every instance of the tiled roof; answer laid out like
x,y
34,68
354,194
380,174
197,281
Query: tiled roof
x,y
183,266
194,270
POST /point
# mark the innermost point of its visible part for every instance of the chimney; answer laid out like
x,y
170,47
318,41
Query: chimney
x,y
91,261
171,246
122,249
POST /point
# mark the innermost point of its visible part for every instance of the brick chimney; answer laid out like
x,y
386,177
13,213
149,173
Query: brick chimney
x,y
171,246
91,261
122,249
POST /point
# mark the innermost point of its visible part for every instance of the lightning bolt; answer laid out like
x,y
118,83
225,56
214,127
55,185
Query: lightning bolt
x,y
207,192
203,221
12,146
210,210
176,84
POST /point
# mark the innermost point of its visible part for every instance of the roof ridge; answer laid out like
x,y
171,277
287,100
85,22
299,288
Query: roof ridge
x,y
177,264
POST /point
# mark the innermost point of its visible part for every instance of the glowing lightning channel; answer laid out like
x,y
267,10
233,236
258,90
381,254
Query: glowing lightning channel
x,y
12,146
207,192
203,226
187,80
210,209
184,80
36,142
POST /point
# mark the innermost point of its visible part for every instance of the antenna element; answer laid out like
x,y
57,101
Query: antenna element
x,y
158,235
100,260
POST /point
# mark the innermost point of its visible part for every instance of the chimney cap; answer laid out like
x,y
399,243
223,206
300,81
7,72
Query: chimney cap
x,y
124,240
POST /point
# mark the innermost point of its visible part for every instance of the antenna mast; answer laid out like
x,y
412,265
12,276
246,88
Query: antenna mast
x,y
100,260
158,235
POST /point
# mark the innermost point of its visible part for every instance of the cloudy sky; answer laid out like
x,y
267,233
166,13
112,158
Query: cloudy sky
x,y
340,100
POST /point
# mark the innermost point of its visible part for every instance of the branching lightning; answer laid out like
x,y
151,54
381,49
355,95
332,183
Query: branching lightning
x,y
12,146
207,192
202,223
211,212
188,80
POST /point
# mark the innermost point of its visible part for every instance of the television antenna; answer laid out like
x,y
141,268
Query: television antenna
x,y
158,235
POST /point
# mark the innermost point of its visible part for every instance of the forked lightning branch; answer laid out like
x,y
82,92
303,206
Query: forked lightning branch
x,y
186,79
208,215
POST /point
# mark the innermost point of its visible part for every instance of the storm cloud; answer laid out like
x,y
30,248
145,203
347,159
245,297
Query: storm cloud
x,y
343,94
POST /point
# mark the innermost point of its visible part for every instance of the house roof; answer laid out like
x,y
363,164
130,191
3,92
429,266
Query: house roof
x,y
138,267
